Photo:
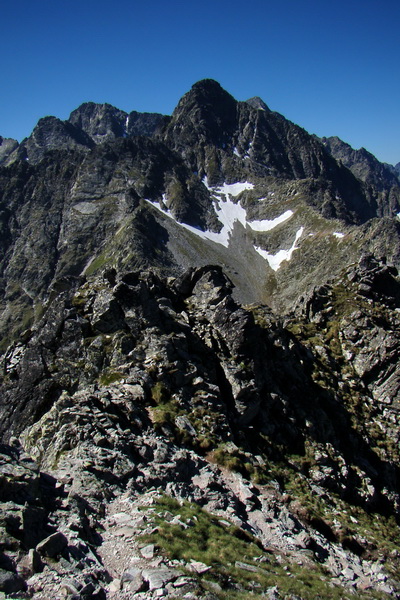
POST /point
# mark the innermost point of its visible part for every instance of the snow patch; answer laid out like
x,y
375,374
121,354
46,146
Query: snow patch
x,y
229,189
275,260
219,238
236,152
338,235
266,225
228,213
125,134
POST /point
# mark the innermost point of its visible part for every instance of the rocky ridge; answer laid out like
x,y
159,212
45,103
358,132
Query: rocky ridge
x,y
87,126
199,383
381,178
137,384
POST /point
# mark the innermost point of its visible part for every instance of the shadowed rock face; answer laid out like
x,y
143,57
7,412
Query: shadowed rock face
x,y
381,178
205,305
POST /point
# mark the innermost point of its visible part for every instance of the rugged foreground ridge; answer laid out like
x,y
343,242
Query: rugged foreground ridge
x,y
200,332
134,385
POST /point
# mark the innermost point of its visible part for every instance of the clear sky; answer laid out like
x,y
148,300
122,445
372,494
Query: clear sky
x,y
331,67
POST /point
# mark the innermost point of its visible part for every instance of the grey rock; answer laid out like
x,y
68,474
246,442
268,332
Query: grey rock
x,y
246,567
30,564
70,589
158,578
53,545
115,586
148,551
132,579
182,581
272,593
11,582
198,567
107,315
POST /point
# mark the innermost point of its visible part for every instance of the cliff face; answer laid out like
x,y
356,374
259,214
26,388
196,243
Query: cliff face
x,y
199,382
381,179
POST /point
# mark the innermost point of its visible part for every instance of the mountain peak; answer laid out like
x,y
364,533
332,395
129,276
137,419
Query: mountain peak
x,y
146,373
102,122
205,115
258,103
207,84
7,146
208,92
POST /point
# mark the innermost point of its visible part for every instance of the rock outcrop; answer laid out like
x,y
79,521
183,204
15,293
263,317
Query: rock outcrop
x,y
381,180
133,383
7,146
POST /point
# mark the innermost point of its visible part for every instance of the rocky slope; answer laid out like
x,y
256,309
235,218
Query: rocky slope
x,y
199,382
135,384
381,178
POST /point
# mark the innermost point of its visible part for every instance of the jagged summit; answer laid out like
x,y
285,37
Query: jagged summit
x,y
207,113
7,146
102,122
369,170
257,102
208,89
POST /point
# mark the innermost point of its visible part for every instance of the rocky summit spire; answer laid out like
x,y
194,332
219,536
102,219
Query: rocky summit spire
x,y
257,102
206,114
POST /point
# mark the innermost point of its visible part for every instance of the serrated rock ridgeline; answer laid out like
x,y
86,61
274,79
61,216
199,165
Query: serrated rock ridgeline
x,y
381,178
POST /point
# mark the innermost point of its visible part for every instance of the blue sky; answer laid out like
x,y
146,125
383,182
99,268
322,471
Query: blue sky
x,y
331,67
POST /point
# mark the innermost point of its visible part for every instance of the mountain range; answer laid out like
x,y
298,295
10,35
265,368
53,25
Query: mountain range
x,y
199,319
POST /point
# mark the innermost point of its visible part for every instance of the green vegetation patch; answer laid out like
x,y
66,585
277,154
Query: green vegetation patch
x,y
237,561
108,377
234,459
199,431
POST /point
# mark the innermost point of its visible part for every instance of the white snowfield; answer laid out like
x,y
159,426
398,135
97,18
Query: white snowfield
x,y
266,225
275,260
229,212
